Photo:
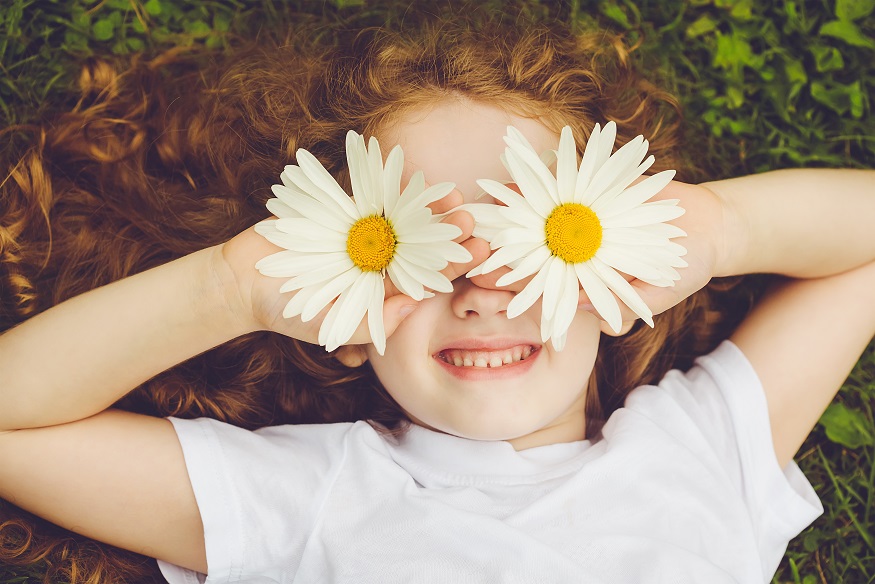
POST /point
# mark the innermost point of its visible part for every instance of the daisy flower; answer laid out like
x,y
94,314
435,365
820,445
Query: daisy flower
x,y
580,227
340,249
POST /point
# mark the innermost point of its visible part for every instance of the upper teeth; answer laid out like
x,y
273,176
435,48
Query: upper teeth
x,y
462,358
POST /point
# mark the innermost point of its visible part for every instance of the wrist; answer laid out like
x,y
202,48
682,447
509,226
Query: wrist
x,y
732,242
227,294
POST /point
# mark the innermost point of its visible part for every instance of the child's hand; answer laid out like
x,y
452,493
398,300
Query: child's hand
x,y
703,222
256,298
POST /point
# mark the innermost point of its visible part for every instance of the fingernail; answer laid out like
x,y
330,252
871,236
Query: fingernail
x,y
585,306
406,309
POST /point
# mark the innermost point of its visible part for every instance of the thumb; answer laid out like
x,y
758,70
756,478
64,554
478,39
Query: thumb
x,y
395,309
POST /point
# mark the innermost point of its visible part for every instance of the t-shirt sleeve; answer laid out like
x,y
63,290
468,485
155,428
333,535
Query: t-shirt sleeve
x,y
724,399
258,494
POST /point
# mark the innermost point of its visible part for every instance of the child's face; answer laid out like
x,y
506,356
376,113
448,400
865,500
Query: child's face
x,y
538,400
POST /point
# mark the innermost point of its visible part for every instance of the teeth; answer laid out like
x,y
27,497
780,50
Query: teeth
x,y
462,358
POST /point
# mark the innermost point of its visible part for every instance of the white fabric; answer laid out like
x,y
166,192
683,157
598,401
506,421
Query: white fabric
x,y
683,488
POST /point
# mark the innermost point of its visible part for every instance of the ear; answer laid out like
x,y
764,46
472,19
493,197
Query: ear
x,y
351,355
625,328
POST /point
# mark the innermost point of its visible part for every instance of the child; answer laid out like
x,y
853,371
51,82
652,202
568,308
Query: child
x,y
464,473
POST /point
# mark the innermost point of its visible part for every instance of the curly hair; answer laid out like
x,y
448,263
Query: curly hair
x,y
164,156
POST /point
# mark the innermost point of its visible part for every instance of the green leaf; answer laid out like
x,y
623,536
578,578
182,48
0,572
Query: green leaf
x,y
848,32
153,7
615,13
347,3
735,96
846,426
103,29
198,28
827,58
703,25
854,9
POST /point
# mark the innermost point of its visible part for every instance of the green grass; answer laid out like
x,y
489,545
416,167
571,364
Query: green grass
x,y
765,85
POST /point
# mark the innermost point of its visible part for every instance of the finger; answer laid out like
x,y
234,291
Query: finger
x,y
479,251
464,221
395,310
452,200
490,280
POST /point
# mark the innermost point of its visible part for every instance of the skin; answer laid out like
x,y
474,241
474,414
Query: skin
x,y
527,406
55,428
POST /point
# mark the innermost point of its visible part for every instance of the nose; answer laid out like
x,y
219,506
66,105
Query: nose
x,y
470,300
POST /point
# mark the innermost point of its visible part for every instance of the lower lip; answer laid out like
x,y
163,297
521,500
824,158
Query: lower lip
x,y
489,373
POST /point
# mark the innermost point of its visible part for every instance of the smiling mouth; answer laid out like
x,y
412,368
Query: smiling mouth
x,y
487,359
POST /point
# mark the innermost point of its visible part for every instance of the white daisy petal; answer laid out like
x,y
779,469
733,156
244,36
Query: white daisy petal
x,y
313,192
634,195
316,210
524,299
430,234
599,296
666,230
618,258
324,181
375,316
451,251
537,170
286,264
523,216
530,264
318,276
429,278
422,199
597,152
588,163
549,157
351,308
280,209
422,255
359,174
501,192
415,186
405,283
296,243
516,235
655,212
622,289
303,227
296,304
558,341
533,191
328,292
508,254
553,288
566,308
566,166
615,168
375,173
392,180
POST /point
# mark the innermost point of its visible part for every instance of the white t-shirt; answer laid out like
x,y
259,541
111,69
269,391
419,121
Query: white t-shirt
x,y
683,488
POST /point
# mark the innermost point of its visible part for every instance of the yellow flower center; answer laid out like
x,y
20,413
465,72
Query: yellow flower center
x,y
371,243
574,232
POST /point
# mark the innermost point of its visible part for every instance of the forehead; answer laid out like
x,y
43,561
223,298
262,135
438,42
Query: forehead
x,y
460,141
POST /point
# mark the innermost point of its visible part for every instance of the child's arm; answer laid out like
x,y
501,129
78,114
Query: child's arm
x,y
804,339
116,477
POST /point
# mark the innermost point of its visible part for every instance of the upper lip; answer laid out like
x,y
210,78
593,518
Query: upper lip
x,y
486,343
